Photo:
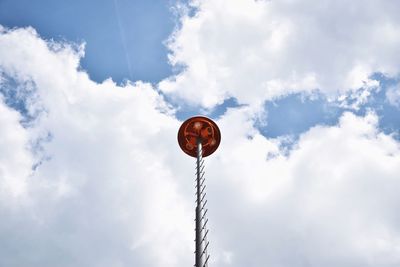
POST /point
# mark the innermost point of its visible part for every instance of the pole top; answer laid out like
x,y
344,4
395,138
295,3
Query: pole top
x,y
199,128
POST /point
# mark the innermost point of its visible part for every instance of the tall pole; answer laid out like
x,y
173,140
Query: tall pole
x,y
199,137
201,221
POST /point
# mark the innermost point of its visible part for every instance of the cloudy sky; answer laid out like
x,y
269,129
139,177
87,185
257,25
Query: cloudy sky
x,y
307,97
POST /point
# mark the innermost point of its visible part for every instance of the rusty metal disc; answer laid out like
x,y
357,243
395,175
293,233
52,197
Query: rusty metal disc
x,y
199,128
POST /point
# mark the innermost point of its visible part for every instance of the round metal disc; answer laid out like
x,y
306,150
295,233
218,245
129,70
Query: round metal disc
x,y
202,128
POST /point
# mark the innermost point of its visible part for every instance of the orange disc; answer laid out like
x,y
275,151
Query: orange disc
x,y
199,128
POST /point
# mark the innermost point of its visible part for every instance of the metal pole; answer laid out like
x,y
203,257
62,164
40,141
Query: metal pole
x,y
200,137
201,222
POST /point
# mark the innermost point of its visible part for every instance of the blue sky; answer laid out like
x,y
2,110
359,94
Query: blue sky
x,y
306,94
124,39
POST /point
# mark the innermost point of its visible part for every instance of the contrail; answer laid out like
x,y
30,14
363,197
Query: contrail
x,y
123,39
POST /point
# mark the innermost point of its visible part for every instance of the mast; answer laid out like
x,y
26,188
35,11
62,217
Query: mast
x,y
199,137
201,212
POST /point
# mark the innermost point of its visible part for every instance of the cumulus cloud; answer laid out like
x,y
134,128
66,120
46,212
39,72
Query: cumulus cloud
x,y
257,50
96,177
15,159
332,202
393,95
97,187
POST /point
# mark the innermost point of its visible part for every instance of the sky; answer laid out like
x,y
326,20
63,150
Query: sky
x,y
124,39
306,95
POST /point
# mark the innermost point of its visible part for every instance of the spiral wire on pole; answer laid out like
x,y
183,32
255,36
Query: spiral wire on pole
x,y
202,243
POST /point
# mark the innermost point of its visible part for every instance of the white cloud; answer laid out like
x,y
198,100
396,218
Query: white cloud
x,y
393,95
15,159
257,50
332,202
357,98
113,189
104,193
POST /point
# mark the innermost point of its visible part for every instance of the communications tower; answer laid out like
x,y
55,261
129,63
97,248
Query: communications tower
x,y
199,137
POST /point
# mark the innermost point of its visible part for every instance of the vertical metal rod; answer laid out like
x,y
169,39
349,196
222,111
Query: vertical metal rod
x,y
201,223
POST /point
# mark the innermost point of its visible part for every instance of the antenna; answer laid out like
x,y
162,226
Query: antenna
x,y
199,137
